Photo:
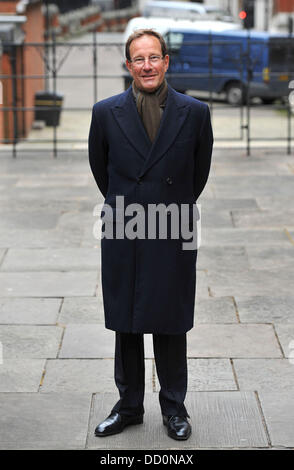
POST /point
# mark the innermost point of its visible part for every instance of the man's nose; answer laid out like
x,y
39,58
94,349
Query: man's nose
x,y
147,65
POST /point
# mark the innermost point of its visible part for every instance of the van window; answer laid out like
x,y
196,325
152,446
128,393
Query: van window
x,y
281,54
174,41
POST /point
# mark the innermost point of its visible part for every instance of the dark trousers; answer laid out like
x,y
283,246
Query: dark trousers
x,y
170,353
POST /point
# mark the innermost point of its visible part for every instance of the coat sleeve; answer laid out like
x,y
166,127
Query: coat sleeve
x,y
203,155
98,154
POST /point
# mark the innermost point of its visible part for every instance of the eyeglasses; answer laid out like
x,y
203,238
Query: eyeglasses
x,y
153,59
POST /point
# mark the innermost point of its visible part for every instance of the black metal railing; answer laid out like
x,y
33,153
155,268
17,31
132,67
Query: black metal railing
x,y
52,73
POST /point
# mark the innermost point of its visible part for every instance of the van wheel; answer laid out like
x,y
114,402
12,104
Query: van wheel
x,y
235,94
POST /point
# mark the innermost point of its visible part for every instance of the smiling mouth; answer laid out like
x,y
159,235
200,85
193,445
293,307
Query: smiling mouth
x,y
148,76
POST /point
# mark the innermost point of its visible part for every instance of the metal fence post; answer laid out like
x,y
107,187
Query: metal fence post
x,y
17,107
14,99
95,65
210,55
249,76
54,76
289,112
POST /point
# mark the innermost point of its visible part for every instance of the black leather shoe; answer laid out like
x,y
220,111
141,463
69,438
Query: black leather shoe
x,y
116,423
177,427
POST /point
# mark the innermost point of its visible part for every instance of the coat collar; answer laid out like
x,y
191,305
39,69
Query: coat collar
x,y
128,118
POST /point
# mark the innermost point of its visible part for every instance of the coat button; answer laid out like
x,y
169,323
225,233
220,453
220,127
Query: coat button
x,y
139,180
169,180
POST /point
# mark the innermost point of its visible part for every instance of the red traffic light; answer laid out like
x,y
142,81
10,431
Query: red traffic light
x,y
242,15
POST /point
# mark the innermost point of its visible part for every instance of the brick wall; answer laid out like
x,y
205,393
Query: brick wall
x,y
28,62
33,62
283,6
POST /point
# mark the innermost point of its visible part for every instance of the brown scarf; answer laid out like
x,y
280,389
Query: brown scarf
x,y
149,106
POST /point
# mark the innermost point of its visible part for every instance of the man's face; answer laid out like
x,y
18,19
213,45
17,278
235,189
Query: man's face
x,y
148,75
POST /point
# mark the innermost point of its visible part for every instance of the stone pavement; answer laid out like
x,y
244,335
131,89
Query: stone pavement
x,y
56,375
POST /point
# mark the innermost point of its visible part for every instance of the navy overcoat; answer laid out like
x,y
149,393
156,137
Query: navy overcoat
x,y
148,284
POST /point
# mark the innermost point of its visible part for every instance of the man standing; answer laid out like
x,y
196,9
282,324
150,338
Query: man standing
x,y
149,145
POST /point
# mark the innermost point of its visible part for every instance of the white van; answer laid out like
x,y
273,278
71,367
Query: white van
x,y
163,25
179,10
185,11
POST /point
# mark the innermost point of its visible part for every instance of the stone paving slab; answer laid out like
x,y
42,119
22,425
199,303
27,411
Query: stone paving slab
x,y
270,257
210,218
85,375
87,341
2,252
261,153
243,237
269,375
218,420
47,284
250,167
202,291
269,218
29,219
43,204
259,187
56,180
278,410
232,340
208,375
291,234
281,203
21,375
94,341
286,338
227,204
31,163
58,259
265,309
57,194
82,310
212,257
255,281
215,310
44,420
37,238
30,341
29,310
204,340
72,220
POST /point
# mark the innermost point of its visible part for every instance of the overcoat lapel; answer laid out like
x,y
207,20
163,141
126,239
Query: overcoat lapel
x,y
129,120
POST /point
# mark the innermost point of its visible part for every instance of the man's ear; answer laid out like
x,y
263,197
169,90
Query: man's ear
x,y
166,61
